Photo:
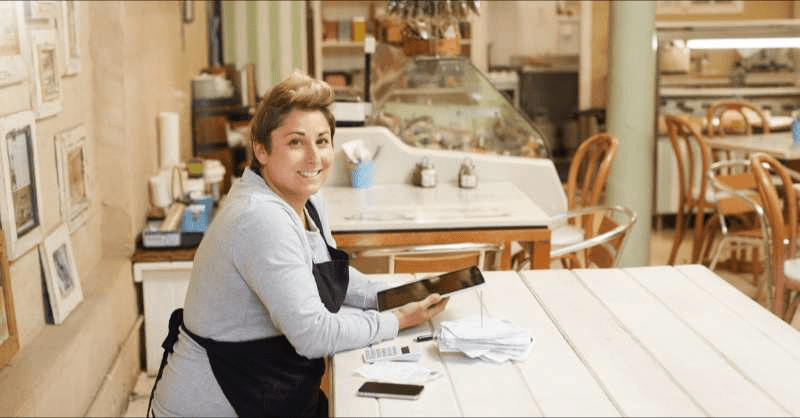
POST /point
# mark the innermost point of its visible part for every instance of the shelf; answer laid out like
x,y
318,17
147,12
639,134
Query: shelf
x,y
342,44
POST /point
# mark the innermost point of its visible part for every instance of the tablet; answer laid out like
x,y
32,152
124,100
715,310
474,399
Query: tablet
x,y
446,284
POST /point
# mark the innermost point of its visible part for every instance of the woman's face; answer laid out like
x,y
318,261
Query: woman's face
x,y
301,157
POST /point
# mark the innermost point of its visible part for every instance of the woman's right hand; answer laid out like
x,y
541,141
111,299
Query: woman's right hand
x,y
415,313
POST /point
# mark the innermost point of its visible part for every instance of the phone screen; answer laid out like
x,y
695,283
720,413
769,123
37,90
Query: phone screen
x,y
445,284
391,390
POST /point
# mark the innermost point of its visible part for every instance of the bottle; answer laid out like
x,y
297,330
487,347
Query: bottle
x,y
796,130
466,175
427,174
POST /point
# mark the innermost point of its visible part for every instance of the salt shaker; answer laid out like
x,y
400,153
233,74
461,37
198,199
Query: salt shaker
x,y
427,174
466,175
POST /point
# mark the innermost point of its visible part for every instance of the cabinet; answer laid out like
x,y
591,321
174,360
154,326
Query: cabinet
x,y
341,55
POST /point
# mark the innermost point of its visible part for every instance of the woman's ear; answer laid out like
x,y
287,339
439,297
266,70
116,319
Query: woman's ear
x,y
260,152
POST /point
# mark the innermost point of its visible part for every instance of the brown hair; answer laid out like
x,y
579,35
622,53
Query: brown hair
x,y
297,91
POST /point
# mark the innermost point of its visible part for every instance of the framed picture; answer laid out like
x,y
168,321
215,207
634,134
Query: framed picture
x,y
46,83
9,341
41,10
21,203
69,31
73,175
13,43
61,273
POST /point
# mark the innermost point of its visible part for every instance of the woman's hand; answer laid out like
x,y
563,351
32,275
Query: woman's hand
x,y
415,313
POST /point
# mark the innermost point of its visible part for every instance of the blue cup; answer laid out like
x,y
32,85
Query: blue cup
x,y
362,174
796,130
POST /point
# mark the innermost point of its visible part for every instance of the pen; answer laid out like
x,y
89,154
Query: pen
x,y
423,338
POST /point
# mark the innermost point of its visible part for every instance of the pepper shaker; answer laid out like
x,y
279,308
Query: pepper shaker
x,y
427,174
466,175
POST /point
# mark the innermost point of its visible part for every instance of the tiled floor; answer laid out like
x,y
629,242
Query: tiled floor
x,y
660,246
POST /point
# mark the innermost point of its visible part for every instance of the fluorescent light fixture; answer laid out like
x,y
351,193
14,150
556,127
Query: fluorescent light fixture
x,y
735,43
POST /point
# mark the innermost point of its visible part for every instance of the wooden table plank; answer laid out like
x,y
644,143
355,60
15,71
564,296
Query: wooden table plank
x,y
759,359
559,381
635,382
748,310
696,366
482,388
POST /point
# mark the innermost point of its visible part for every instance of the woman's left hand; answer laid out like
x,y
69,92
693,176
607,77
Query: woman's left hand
x,y
415,313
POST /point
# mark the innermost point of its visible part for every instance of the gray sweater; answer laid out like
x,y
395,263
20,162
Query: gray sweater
x,y
252,279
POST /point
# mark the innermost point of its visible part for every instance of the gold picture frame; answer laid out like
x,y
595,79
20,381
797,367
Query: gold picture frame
x,y
9,339
21,202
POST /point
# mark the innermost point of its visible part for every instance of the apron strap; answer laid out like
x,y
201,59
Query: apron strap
x,y
312,212
175,321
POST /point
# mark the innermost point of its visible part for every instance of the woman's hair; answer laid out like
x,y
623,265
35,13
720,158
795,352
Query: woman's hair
x,y
297,91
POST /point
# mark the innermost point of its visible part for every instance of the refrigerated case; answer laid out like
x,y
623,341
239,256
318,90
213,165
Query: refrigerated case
x,y
447,103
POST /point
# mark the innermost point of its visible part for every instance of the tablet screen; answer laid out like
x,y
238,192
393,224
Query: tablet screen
x,y
445,284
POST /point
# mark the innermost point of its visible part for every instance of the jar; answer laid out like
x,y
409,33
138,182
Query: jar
x,y
466,175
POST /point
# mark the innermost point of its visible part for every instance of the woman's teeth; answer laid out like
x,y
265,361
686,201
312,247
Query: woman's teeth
x,y
308,173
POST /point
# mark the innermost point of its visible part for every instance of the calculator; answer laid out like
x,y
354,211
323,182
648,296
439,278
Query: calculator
x,y
391,353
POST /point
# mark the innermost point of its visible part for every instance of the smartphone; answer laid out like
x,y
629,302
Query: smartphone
x,y
389,390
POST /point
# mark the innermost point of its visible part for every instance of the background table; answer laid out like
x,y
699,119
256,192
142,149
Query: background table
x,y
659,341
777,144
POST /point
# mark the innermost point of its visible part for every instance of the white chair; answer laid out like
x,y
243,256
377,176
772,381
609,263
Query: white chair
x,y
608,228
437,257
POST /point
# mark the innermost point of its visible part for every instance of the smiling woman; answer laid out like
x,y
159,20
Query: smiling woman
x,y
268,281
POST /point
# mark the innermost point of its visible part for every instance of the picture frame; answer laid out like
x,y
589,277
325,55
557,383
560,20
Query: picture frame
x,y
46,82
61,273
41,10
9,339
13,43
21,203
69,31
72,161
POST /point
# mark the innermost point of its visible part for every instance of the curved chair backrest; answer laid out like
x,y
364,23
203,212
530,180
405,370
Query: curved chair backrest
x,y
436,257
604,246
782,217
715,123
589,170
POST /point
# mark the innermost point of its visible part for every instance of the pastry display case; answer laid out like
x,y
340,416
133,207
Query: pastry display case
x,y
447,103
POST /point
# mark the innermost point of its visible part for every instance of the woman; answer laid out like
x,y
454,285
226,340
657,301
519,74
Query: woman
x,y
262,308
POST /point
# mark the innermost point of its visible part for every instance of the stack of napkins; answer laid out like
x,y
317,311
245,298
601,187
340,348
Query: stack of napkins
x,y
490,339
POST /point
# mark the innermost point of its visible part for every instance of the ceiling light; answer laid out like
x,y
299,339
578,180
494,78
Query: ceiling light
x,y
732,43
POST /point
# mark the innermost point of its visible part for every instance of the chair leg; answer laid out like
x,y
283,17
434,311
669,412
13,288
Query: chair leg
x,y
792,309
678,237
699,228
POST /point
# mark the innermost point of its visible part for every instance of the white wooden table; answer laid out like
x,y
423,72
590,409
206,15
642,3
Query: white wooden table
x,y
777,144
657,341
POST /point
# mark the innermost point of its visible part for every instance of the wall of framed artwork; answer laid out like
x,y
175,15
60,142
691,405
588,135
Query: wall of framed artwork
x,y
13,43
21,205
72,160
61,273
9,341
46,81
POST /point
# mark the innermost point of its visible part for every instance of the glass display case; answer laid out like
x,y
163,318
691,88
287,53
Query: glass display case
x,y
447,103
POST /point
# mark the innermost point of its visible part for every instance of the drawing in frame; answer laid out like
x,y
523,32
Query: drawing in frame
x,y
73,175
41,10
13,43
61,273
21,203
46,83
69,32
9,340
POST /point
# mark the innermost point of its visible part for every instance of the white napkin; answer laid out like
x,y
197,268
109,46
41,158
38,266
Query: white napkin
x,y
397,372
490,339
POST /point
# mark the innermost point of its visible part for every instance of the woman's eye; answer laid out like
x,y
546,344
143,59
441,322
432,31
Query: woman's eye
x,y
295,141
323,141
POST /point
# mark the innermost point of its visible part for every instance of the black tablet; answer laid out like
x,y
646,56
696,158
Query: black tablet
x,y
446,284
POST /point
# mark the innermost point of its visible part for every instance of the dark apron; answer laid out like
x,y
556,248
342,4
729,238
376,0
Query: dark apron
x,y
266,377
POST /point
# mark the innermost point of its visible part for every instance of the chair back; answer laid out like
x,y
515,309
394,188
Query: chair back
x,y
607,240
733,190
781,216
437,257
588,171
740,110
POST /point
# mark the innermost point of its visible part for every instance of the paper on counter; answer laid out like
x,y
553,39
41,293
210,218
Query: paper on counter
x,y
490,339
397,372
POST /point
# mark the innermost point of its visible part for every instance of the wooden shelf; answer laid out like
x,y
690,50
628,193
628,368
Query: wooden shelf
x,y
342,44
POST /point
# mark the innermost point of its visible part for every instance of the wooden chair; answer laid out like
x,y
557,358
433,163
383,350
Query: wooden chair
x,y
437,257
740,217
733,116
691,153
586,181
782,219
608,232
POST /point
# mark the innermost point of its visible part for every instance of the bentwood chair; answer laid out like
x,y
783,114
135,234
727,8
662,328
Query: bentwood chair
x,y
736,117
586,181
740,217
437,257
782,219
691,153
